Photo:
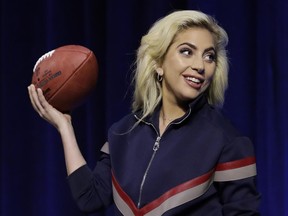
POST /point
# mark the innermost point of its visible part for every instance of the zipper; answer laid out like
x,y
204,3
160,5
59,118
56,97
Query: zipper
x,y
156,146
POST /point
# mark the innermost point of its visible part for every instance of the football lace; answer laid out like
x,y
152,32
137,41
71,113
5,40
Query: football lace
x,y
46,55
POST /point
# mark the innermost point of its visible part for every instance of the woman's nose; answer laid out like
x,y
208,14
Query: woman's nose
x,y
198,65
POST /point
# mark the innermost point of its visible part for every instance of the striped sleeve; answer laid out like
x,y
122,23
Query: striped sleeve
x,y
235,179
105,148
237,161
235,170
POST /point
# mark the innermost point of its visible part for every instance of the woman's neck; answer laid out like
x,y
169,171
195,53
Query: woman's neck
x,y
168,113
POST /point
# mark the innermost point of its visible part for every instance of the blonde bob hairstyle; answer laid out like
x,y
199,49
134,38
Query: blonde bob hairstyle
x,y
152,50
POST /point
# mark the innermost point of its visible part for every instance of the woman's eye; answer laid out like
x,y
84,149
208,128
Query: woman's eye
x,y
186,51
210,57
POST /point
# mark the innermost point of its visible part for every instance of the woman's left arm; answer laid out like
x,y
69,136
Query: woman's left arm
x,y
235,179
239,197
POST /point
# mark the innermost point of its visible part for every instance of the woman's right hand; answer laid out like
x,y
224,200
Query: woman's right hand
x,y
62,122
45,110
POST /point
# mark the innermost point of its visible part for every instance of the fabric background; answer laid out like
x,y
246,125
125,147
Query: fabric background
x,y
32,170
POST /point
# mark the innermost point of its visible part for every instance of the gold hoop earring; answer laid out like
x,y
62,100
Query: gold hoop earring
x,y
159,77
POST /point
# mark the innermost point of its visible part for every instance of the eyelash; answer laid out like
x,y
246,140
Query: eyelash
x,y
211,56
183,50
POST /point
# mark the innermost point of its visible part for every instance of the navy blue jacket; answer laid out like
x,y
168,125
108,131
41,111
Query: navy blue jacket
x,y
200,166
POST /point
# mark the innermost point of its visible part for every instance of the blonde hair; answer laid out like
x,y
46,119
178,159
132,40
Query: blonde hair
x,y
152,50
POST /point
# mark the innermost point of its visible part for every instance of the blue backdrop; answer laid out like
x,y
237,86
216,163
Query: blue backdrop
x,y
32,172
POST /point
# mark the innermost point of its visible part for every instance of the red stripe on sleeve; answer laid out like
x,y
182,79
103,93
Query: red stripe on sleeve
x,y
236,164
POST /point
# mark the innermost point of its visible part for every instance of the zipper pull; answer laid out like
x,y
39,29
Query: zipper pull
x,y
156,144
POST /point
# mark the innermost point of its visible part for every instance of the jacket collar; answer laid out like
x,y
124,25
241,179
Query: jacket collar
x,y
194,106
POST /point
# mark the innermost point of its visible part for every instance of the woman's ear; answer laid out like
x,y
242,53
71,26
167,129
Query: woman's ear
x,y
159,71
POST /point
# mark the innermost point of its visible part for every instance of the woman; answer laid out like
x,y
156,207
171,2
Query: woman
x,y
175,154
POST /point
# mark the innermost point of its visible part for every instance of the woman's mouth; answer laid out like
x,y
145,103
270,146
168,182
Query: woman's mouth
x,y
194,82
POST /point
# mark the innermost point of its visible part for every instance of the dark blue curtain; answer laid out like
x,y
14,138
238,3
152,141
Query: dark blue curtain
x,y
32,171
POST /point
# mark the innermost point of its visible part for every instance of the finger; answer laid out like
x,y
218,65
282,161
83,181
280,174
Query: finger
x,y
31,90
36,95
43,104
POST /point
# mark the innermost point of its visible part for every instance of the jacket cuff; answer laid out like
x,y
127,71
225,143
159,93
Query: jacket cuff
x,y
79,179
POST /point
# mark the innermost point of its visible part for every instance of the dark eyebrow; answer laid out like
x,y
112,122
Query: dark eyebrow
x,y
194,47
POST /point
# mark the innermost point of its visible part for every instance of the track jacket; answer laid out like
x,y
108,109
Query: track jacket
x,y
200,166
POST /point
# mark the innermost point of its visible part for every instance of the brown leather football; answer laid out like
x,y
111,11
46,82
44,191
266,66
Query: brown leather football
x,y
66,75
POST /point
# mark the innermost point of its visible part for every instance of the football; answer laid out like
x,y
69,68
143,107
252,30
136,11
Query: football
x,y
66,75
